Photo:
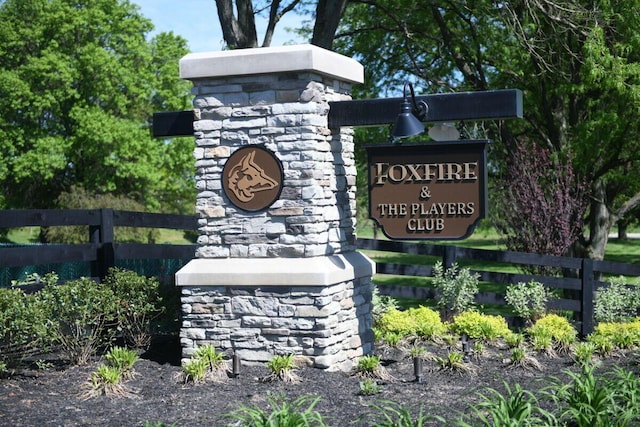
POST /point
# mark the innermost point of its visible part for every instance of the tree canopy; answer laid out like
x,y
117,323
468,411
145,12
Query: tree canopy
x,y
576,62
79,81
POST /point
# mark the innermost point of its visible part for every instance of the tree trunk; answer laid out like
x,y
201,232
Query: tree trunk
x,y
622,230
600,222
328,14
238,33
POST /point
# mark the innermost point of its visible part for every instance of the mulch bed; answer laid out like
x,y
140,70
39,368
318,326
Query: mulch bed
x,y
53,397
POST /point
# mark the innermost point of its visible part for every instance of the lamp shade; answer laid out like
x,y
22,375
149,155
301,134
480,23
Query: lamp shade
x,y
407,124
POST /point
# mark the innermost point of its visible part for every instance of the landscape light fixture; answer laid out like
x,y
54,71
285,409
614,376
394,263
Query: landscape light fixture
x,y
465,347
412,114
417,368
235,365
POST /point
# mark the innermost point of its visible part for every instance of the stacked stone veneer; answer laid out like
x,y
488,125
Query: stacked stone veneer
x,y
288,115
331,325
285,279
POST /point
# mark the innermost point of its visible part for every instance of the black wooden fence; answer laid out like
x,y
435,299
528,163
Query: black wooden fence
x,y
102,252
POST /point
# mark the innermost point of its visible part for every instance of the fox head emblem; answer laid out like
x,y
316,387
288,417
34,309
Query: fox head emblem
x,y
246,178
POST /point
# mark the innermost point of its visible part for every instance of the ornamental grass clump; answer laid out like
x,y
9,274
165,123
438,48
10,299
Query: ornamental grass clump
x,y
583,353
520,358
217,367
194,370
106,381
590,400
509,408
454,361
370,367
393,414
369,387
123,360
207,364
282,368
281,413
481,326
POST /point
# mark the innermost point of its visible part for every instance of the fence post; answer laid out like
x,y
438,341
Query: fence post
x,y
586,306
102,235
450,255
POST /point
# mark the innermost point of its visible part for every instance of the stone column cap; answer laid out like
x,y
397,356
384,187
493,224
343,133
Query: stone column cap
x,y
281,59
315,271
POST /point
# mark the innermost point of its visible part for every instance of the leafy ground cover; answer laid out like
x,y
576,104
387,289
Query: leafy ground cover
x,y
54,395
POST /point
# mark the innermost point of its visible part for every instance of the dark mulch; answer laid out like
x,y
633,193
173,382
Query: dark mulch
x,y
52,397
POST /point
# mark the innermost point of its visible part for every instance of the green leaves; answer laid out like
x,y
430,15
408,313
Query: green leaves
x,y
78,86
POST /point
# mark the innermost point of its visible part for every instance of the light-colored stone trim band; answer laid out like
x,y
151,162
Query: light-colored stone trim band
x,y
315,271
271,60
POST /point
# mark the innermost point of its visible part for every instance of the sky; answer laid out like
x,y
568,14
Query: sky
x,y
197,22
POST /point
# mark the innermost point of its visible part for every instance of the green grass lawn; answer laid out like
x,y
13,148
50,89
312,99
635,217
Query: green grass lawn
x,y
31,235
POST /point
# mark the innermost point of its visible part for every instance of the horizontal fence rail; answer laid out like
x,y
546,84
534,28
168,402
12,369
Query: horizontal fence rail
x,y
580,282
101,252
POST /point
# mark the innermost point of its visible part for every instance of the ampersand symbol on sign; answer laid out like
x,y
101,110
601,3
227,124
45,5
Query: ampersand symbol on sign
x,y
425,193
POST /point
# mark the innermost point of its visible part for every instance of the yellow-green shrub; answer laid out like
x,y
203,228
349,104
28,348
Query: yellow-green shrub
x,y
480,326
420,321
558,327
619,334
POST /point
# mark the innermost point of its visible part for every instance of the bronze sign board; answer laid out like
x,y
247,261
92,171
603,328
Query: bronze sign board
x,y
428,191
252,178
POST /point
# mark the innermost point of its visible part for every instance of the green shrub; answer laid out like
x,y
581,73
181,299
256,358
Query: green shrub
x,y
23,326
529,300
34,279
618,302
480,326
83,313
456,287
420,321
137,303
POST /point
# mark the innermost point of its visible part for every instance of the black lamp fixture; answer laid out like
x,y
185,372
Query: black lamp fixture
x,y
465,348
412,114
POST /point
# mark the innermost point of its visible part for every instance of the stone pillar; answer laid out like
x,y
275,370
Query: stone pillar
x,y
281,276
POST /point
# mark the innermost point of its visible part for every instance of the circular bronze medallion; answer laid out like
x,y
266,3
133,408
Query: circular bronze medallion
x,y
252,178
